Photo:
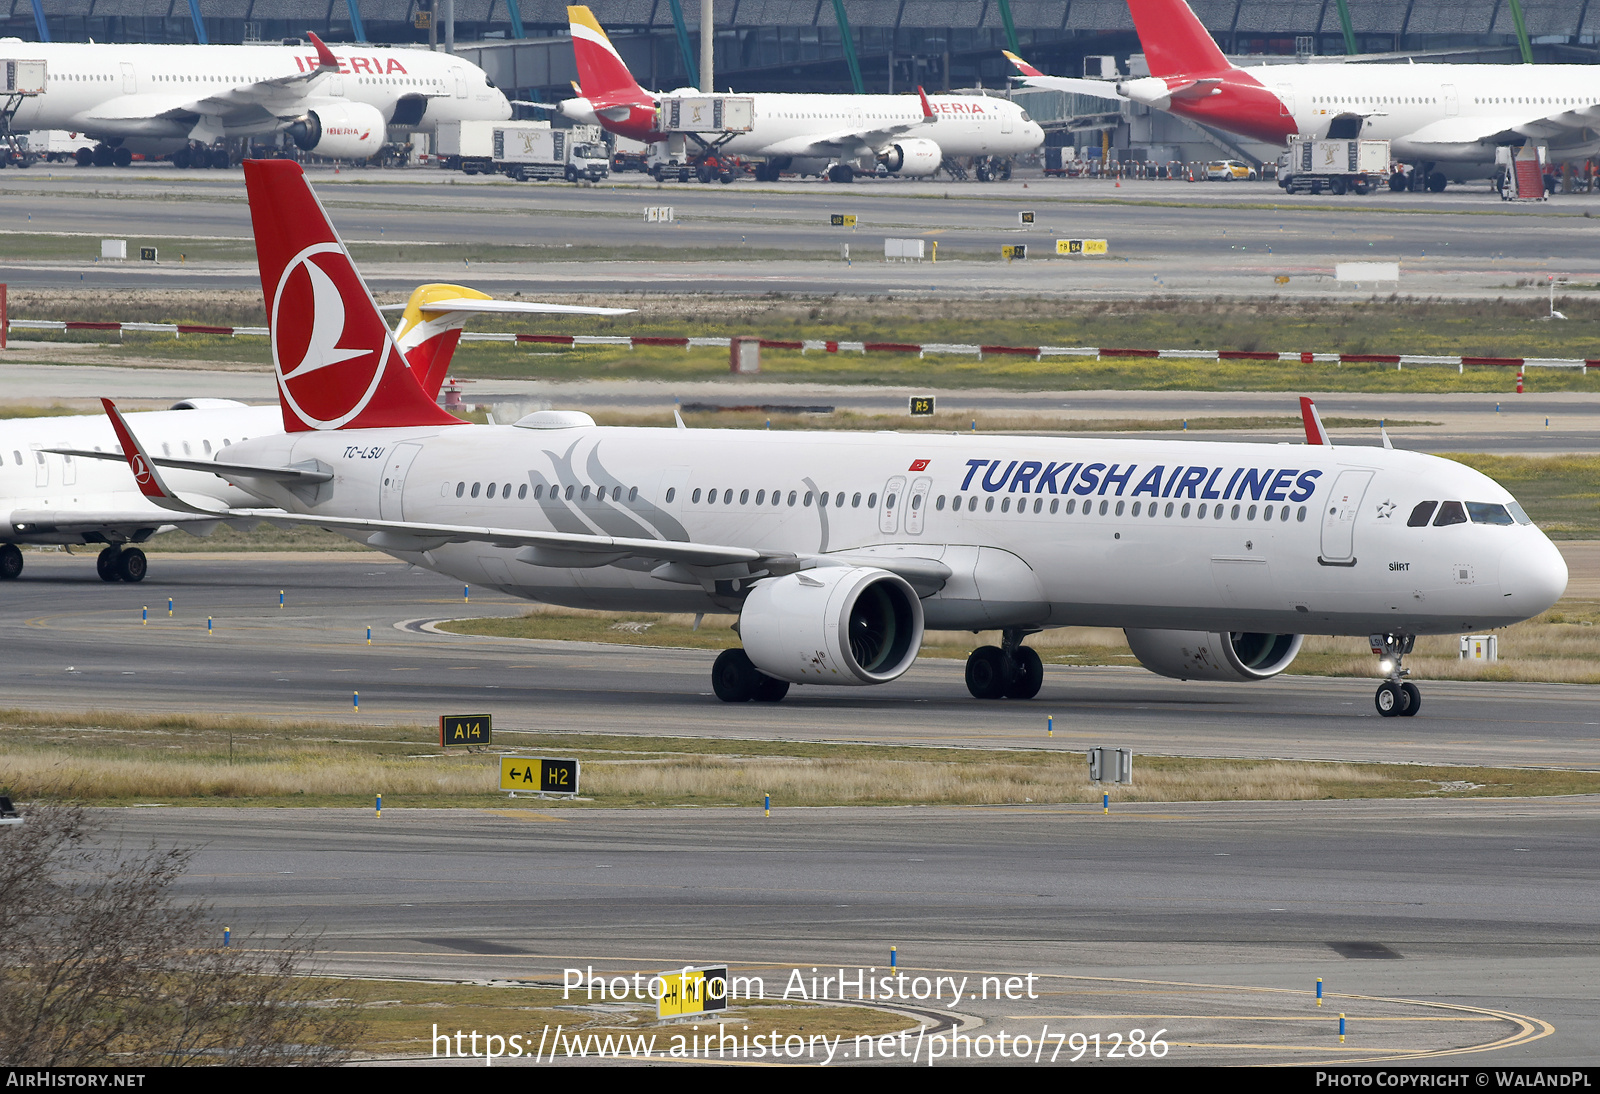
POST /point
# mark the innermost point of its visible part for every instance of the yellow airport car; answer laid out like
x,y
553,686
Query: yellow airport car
x,y
1228,170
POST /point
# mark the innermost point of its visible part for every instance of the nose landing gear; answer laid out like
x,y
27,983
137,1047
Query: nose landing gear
x,y
1396,696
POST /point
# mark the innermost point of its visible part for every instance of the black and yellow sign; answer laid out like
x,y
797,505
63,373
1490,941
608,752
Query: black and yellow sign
x,y
538,775
1013,251
460,730
842,220
147,254
1025,217
1081,247
422,20
921,406
693,991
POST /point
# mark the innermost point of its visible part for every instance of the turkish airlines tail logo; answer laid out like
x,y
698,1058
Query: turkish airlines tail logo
x,y
336,363
601,73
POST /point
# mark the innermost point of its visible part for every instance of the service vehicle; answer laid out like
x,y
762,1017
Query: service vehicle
x,y
1230,171
1335,167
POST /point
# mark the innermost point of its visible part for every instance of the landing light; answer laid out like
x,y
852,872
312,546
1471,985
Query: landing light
x,y
1386,666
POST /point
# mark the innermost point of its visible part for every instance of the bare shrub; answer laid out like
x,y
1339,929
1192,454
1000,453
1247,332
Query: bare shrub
x,y
100,965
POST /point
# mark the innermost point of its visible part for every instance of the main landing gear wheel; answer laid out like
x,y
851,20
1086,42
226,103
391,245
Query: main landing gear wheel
x,y
132,565
1029,676
106,564
987,673
10,562
1414,699
736,680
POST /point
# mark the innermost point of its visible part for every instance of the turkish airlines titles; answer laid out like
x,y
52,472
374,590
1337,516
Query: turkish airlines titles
x,y
1038,477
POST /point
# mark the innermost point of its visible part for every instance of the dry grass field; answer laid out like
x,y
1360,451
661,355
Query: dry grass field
x,y
116,759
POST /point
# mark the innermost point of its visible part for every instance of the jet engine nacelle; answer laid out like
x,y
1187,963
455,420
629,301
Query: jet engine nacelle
x,y
1207,655
350,131
915,157
832,625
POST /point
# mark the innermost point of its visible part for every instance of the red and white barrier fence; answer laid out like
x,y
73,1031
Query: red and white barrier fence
x,y
1399,360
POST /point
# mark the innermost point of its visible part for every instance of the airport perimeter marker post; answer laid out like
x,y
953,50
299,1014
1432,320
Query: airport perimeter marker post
x,y
1341,1029
1049,725
1319,991
169,607
377,806
3,321
768,806
894,956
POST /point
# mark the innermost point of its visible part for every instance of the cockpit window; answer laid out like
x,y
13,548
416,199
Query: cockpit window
x,y
487,81
1450,512
1518,515
1486,512
1420,515
1025,116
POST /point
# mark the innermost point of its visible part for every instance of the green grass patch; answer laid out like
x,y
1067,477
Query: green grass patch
x,y
1561,493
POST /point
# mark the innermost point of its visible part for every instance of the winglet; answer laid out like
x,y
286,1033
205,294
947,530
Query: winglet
x,y
927,108
1315,433
143,467
325,57
1022,66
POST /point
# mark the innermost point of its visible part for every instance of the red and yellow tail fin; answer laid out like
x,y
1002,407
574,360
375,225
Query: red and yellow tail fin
x,y
337,365
601,71
428,339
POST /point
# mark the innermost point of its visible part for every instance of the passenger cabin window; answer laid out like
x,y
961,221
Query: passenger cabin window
x,y
1420,515
1450,512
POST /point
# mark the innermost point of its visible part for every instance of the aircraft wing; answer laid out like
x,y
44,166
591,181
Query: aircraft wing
x,y
1032,77
129,522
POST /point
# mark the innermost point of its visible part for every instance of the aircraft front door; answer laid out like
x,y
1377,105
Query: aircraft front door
x,y
1339,511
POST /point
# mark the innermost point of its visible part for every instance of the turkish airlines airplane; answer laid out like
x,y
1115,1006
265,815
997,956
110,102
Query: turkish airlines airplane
x,y
1431,113
840,135
62,480
837,549
184,99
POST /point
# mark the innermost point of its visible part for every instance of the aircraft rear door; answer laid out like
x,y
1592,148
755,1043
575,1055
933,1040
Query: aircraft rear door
x,y
130,82
1339,518
391,494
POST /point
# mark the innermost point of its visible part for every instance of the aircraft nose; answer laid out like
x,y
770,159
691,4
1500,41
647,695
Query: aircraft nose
x,y
1533,575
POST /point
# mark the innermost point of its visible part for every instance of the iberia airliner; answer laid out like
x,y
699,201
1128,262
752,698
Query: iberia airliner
x,y
837,549
839,135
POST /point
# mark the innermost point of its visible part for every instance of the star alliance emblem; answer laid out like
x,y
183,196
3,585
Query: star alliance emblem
x,y
1385,510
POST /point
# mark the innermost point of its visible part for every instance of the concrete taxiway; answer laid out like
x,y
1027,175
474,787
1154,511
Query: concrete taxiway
x,y
1438,928
1165,237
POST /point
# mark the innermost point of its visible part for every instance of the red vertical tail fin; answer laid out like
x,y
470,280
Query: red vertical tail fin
x,y
601,71
337,365
1174,40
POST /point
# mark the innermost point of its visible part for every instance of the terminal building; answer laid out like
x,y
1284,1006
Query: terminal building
x,y
862,45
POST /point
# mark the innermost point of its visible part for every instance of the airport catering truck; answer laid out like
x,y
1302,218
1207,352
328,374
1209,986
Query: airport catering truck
x,y
1335,166
522,150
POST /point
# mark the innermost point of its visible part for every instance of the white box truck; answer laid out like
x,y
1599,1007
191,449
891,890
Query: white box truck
x,y
523,152
1333,166
466,146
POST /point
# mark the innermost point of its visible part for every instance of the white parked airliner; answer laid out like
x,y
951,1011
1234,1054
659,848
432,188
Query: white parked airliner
x,y
62,480
1432,113
836,549
185,99
839,135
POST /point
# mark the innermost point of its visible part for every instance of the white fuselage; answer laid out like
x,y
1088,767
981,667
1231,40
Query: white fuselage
x,y
35,483
150,95
1404,100
1037,532
966,125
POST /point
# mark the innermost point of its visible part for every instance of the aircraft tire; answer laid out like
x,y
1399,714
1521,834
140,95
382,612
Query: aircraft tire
x,y
10,562
84,156
734,678
771,690
1397,183
132,565
1414,699
1390,699
121,157
105,564
1029,676
102,155
987,677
